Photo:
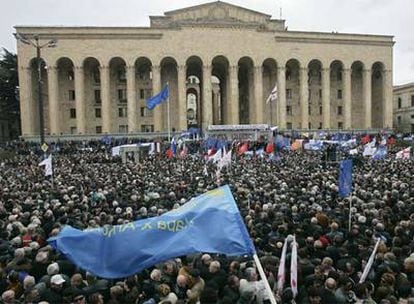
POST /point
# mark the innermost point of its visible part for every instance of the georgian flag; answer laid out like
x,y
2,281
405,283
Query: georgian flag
x,y
281,271
273,95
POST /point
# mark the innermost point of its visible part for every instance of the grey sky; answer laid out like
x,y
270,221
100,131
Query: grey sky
x,y
389,17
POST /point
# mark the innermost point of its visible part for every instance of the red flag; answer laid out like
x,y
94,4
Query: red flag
x,y
243,148
170,153
269,148
366,139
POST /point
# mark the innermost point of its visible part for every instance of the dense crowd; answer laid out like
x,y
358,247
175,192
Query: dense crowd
x,y
295,193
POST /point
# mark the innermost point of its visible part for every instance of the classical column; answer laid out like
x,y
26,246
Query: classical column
x,y
367,98
234,95
387,98
281,87
156,88
182,98
53,91
26,101
258,94
347,98
326,98
207,118
132,99
106,98
80,100
304,102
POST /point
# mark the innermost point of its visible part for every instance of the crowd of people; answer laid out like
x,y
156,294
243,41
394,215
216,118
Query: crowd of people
x,y
293,194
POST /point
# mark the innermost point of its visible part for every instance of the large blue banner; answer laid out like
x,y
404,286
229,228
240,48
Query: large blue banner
x,y
345,177
208,223
159,98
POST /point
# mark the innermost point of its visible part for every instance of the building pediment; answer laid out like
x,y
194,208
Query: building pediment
x,y
217,14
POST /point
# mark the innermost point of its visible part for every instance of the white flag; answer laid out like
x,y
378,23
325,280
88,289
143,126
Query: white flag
x,y
370,262
273,95
403,154
281,271
225,160
294,268
48,165
353,152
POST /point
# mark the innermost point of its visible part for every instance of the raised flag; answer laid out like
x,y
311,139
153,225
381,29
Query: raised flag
x,y
391,141
225,161
370,262
380,153
403,154
47,162
210,223
345,177
243,148
273,95
294,268
281,270
157,99
270,148
365,139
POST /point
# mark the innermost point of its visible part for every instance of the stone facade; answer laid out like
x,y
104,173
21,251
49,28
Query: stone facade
x,y
97,78
403,108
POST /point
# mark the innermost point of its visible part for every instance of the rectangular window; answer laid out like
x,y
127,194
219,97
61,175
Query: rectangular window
x,y
122,112
340,125
98,129
98,113
412,100
412,116
145,112
339,94
122,96
288,110
72,113
320,125
399,102
339,110
72,95
73,130
399,120
142,93
310,110
288,75
289,126
289,93
97,94
122,76
71,75
123,128
320,111
339,75
320,94
96,75
147,128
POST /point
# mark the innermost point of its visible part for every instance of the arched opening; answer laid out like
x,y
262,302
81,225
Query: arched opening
x,y
378,97
293,110
246,90
93,99
337,106
66,96
221,106
118,93
357,103
269,77
34,103
143,85
315,94
169,74
194,86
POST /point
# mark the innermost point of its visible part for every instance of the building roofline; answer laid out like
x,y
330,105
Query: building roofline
x,y
403,86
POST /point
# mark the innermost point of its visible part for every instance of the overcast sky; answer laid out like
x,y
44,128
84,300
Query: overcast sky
x,y
388,17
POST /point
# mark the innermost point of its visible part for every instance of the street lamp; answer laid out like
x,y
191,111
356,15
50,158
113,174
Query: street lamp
x,y
35,44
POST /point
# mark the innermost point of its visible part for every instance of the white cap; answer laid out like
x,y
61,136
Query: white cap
x,y
57,279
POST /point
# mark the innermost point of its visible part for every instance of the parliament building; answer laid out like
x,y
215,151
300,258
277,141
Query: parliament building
x,y
220,61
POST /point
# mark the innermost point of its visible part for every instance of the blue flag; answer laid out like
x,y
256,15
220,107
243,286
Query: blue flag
x,y
380,153
345,177
157,99
208,223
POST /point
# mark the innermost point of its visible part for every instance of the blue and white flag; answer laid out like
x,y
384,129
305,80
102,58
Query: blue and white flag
x,y
159,98
210,223
345,177
47,162
380,153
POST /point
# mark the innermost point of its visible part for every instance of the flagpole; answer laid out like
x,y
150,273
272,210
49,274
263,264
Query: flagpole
x,y
350,213
264,278
168,116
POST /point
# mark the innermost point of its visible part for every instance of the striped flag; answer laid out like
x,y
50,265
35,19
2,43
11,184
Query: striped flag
x,y
281,271
273,95
370,262
294,268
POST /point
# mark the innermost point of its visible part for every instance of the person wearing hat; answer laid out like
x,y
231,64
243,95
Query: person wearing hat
x,y
54,293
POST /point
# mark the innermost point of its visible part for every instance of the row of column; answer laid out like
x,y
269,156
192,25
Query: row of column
x,y
232,107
